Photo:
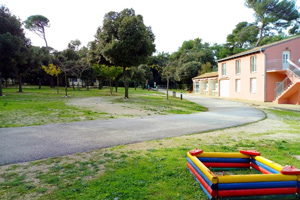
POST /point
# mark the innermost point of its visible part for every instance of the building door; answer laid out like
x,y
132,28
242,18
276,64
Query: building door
x,y
224,88
285,57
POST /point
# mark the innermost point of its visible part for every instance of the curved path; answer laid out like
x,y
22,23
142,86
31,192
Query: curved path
x,y
36,142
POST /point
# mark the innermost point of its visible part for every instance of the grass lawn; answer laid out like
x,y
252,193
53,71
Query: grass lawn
x,y
35,107
148,170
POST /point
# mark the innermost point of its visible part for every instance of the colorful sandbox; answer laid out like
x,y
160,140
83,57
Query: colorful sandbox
x,y
273,182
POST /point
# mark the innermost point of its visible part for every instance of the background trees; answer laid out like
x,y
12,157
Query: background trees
x,y
110,73
14,47
124,40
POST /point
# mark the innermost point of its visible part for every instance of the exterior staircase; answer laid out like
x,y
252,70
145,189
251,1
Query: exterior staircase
x,y
289,87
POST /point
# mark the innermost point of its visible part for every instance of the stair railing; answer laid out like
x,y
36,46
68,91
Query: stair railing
x,y
293,72
281,87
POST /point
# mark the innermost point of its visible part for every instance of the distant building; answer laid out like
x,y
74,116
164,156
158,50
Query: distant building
x,y
206,84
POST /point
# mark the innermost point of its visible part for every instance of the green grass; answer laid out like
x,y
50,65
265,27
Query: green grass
x,y
36,107
149,170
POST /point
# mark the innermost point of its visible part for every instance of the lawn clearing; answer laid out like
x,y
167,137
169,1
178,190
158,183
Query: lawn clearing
x,y
148,170
36,107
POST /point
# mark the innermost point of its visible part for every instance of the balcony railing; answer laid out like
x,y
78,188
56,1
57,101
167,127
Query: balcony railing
x,y
294,68
277,64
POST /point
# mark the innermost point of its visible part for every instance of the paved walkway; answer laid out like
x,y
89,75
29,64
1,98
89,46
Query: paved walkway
x,y
36,142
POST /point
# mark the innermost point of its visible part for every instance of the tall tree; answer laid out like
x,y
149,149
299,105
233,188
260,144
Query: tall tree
x,y
272,15
124,40
37,24
76,60
168,73
189,58
74,44
243,37
156,64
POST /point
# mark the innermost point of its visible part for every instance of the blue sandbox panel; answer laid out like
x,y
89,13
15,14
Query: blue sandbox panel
x,y
203,189
225,160
270,169
213,186
268,197
257,185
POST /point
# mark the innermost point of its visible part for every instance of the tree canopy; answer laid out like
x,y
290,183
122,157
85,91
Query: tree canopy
x,y
272,16
37,24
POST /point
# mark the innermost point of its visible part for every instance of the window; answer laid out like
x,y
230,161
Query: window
x,y
253,64
238,85
253,85
224,69
206,87
238,66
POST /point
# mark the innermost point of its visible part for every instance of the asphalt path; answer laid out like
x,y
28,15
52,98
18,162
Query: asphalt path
x,y
30,143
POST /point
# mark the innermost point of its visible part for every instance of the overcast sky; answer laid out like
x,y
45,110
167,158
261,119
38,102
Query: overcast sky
x,y
172,21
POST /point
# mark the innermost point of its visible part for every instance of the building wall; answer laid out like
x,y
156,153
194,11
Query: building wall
x,y
245,77
274,62
272,79
275,52
295,98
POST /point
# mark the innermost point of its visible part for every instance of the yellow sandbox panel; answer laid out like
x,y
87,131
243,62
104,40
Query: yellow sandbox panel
x,y
203,168
222,155
256,178
268,163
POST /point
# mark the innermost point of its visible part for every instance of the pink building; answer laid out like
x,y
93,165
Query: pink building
x,y
269,73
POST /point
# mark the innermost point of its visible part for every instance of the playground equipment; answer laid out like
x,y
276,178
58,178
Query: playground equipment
x,y
273,181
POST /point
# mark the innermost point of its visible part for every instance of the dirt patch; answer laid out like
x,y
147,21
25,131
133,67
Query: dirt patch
x,y
297,157
105,104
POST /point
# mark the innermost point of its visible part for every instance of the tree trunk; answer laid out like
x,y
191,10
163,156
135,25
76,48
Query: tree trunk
x,y
78,86
125,82
73,85
6,82
51,82
167,88
87,84
1,86
100,83
110,87
66,83
44,36
260,35
57,84
40,83
20,83
135,86
117,84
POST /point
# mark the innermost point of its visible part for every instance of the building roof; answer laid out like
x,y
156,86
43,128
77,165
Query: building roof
x,y
258,49
207,75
